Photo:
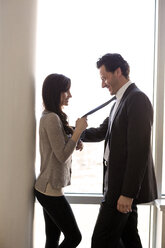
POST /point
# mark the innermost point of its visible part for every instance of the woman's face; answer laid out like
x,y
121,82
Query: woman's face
x,y
65,98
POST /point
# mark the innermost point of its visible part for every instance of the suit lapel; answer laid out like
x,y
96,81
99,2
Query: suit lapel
x,y
126,93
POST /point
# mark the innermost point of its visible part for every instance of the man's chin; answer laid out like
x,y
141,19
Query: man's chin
x,y
111,92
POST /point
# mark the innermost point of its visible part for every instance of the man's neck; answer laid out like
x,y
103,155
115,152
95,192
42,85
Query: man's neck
x,y
123,81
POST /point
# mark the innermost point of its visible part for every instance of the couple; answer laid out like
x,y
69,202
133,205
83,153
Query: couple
x,y
129,176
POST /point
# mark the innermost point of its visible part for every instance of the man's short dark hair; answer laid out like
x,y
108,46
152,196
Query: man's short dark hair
x,y
112,61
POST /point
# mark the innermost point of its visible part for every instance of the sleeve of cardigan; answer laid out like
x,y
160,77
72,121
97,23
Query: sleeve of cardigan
x,y
54,129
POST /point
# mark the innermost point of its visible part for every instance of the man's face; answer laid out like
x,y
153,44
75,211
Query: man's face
x,y
109,80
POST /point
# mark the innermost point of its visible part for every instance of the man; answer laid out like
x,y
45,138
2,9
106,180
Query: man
x,y
129,176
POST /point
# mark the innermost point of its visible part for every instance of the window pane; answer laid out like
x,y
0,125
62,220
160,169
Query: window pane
x,y
87,169
71,36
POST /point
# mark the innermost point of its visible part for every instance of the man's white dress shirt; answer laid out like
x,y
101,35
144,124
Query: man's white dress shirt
x,y
119,96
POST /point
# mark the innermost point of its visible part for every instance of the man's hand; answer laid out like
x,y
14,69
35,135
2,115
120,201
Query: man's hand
x,y
79,145
124,204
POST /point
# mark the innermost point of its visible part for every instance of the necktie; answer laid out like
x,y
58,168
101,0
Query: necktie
x,y
106,151
100,106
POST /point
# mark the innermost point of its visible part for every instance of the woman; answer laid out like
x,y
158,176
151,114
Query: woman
x,y
57,143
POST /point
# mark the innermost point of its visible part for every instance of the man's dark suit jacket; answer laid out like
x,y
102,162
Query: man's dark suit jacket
x,y
130,165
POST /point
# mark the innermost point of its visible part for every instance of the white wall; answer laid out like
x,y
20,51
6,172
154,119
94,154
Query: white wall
x,y
17,121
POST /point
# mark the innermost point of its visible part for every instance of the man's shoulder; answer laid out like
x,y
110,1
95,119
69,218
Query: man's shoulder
x,y
135,92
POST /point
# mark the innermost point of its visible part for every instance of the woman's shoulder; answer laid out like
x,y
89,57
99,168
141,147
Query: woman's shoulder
x,y
48,116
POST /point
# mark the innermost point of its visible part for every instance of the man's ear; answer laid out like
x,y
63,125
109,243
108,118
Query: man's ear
x,y
118,72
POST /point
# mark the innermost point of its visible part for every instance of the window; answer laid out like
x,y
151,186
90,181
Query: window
x,y
72,35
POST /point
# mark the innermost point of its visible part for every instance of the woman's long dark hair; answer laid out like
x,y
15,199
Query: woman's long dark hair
x,y
53,86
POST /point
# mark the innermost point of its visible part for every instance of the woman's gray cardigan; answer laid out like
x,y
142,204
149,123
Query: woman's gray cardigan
x,y
56,149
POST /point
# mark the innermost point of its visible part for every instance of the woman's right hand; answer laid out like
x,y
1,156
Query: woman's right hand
x,y
81,124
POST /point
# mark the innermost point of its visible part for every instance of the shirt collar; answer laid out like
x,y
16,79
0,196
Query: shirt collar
x,y
121,91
